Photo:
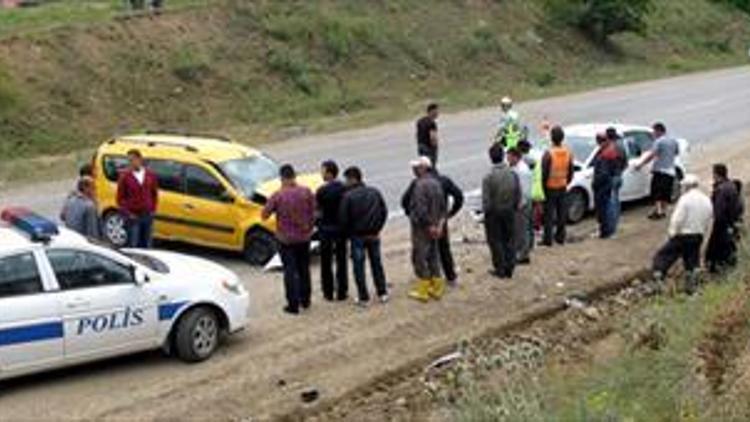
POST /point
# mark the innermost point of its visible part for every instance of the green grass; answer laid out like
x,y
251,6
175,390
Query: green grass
x,y
70,75
62,13
638,383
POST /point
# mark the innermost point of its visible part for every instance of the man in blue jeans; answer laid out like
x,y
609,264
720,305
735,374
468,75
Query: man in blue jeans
x,y
622,165
137,200
362,216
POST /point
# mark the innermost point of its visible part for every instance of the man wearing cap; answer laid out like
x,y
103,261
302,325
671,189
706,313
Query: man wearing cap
x,y
453,196
690,222
427,214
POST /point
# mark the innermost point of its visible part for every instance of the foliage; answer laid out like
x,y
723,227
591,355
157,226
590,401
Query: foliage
x,y
743,5
600,19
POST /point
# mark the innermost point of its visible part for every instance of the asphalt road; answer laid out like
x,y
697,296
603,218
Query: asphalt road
x,y
705,107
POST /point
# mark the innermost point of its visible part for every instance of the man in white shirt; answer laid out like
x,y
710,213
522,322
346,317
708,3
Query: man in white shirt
x,y
690,222
524,230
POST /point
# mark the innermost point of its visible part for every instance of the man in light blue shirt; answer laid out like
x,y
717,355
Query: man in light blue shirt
x,y
663,154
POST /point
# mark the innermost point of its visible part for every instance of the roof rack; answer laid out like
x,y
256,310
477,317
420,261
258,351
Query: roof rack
x,y
186,133
152,143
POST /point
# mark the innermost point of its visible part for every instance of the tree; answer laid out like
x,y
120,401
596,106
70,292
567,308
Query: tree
x,y
600,19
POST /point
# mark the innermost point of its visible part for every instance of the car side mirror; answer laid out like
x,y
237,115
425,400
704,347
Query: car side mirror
x,y
227,197
140,276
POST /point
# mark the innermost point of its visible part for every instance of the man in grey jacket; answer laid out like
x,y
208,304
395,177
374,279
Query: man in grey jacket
x,y
79,212
427,214
501,199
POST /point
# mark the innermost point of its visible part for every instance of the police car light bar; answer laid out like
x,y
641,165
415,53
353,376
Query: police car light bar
x,y
38,228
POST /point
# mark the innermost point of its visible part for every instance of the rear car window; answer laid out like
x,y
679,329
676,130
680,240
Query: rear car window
x,y
19,275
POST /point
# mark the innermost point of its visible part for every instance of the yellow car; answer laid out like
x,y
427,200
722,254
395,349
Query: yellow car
x,y
211,191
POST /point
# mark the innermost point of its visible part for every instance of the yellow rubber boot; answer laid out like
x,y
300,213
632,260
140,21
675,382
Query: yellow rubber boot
x,y
437,288
420,290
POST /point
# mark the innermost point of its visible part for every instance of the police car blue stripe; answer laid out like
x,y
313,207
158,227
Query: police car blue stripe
x,y
168,310
31,333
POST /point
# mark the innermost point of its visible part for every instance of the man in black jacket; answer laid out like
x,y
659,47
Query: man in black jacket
x,y
455,197
362,216
332,241
726,212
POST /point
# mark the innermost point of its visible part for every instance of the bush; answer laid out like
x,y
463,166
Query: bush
x,y
294,67
600,19
743,5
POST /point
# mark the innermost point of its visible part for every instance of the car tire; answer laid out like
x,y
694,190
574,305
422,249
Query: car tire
x,y
260,247
198,334
114,228
578,206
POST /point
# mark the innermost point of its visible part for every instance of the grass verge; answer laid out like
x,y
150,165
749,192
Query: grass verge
x,y
674,359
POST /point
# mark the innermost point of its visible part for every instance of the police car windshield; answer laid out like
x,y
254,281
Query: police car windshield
x,y
247,173
148,261
581,147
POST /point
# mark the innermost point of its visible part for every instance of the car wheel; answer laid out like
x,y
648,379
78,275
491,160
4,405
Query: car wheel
x,y
578,206
115,229
198,334
260,247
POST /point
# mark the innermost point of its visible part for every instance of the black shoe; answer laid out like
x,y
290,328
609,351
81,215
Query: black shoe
x,y
342,298
290,310
328,298
495,274
546,243
305,305
525,261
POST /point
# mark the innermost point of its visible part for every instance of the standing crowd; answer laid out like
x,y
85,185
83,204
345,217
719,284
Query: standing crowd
x,y
519,193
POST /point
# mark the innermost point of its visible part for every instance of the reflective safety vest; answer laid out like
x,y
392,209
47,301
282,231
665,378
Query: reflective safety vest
x,y
560,160
512,136
537,185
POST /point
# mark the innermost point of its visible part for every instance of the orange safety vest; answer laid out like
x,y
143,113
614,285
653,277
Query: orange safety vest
x,y
559,166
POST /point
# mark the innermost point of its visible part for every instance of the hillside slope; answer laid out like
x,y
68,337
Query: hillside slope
x,y
252,67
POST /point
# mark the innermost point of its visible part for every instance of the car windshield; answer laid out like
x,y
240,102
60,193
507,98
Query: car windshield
x,y
247,173
581,146
148,261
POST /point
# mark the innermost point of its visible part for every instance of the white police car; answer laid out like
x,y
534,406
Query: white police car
x,y
64,300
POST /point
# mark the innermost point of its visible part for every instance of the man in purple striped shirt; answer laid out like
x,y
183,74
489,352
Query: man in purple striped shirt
x,y
294,207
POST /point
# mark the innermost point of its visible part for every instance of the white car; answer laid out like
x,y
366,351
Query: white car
x,y
636,184
64,300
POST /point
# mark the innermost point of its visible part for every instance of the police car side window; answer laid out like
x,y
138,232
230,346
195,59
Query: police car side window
x,y
79,270
203,184
19,275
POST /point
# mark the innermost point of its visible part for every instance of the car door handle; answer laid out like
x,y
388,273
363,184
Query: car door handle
x,y
188,206
78,303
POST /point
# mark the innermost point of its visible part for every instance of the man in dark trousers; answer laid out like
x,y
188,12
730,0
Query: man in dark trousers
x,y
427,215
688,225
501,200
362,216
726,203
427,135
137,199
332,241
557,173
294,207
455,197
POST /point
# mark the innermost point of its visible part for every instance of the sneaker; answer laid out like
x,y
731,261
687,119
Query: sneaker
x,y
384,299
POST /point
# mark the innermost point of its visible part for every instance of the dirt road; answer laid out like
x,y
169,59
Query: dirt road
x,y
335,347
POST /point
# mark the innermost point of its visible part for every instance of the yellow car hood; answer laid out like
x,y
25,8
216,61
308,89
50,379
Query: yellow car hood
x,y
310,180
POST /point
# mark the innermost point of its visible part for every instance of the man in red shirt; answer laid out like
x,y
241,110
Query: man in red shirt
x,y
294,207
137,199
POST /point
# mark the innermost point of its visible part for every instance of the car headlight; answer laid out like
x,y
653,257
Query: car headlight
x,y
232,287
